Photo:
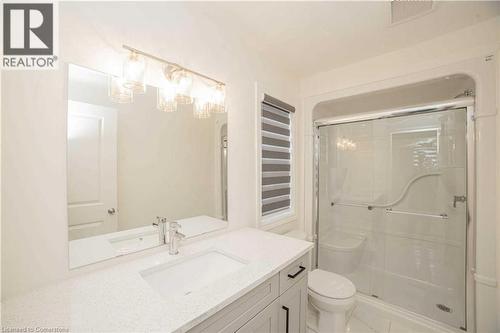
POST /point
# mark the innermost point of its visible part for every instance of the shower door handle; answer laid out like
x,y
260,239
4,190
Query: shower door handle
x,y
458,198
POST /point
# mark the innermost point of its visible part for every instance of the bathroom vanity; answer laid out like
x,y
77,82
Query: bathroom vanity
x,y
241,281
277,305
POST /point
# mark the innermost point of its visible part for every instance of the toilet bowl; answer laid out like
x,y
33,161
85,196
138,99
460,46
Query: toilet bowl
x,y
332,295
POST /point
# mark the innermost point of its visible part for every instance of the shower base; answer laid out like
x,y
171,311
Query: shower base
x,y
373,316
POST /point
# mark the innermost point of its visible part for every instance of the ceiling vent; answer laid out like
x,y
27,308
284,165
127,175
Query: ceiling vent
x,y
405,10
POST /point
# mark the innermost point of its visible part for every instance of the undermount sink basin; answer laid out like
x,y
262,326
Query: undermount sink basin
x,y
191,274
134,243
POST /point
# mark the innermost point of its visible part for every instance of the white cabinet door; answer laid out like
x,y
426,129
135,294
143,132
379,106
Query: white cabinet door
x,y
92,174
293,308
265,321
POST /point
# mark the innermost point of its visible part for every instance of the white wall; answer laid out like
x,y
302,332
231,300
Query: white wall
x,y
34,235
165,169
498,184
463,51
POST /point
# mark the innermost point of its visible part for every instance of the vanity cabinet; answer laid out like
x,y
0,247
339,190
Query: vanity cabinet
x,y
277,305
287,314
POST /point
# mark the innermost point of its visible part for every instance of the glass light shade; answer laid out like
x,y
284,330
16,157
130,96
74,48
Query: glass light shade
x,y
183,84
218,99
346,144
166,98
134,73
117,91
201,109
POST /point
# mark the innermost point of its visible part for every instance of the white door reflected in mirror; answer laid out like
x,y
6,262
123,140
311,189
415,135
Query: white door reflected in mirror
x,y
92,182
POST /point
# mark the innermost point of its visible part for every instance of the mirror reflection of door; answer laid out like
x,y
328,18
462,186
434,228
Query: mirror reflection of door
x,y
92,174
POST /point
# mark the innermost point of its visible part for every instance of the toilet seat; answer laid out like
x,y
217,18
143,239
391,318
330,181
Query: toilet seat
x,y
330,285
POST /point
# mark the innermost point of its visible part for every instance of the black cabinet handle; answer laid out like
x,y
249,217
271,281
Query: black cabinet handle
x,y
293,276
287,317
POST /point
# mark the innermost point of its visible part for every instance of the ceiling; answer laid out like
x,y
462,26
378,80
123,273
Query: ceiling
x,y
301,38
309,37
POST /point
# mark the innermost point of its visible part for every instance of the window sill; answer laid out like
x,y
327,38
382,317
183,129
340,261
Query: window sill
x,y
276,220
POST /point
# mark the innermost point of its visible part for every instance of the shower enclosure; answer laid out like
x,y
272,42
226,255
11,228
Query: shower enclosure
x,y
392,206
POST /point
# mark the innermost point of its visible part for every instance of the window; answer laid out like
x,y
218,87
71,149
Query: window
x,y
276,125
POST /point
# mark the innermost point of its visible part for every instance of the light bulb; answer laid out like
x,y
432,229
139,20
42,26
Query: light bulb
x,y
346,144
134,73
166,97
201,109
183,82
117,91
218,99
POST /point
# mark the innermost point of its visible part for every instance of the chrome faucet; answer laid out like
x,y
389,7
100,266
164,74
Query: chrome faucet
x,y
174,236
161,223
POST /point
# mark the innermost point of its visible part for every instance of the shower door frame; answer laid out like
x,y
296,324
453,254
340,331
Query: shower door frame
x,y
470,243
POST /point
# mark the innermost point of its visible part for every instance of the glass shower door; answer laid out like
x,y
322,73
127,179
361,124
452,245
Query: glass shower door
x,y
392,211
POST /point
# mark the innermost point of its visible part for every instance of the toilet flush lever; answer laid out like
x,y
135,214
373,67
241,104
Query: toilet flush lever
x,y
458,198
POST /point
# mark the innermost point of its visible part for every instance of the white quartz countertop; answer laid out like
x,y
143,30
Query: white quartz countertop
x,y
118,299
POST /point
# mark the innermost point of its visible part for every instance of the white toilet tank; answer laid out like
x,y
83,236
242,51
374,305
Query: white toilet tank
x,y
341,252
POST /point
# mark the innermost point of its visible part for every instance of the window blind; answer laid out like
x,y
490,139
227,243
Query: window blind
x,y
276,155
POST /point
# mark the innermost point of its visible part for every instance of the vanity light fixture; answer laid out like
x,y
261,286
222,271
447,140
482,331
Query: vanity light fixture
x,y
167,91
117,91
176,89
183,83
346,144
134,73
166,98
218,98
201,109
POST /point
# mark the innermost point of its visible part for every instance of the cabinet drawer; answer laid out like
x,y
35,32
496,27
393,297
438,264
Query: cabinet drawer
x,y
294,272
236,314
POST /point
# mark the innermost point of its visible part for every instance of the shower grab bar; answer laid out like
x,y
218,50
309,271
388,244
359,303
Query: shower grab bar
x,y
443,216
395,202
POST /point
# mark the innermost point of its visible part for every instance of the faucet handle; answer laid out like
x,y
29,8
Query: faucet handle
x,y
160,220
174,225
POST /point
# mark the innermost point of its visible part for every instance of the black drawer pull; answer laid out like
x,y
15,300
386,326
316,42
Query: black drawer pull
x,y
293,276
287,317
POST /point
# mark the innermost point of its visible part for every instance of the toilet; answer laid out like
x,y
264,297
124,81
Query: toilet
x,y
332,295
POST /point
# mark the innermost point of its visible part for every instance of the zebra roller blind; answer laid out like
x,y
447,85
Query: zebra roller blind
x,y
276,155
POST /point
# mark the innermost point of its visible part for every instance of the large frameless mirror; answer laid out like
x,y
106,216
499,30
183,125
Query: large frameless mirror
x,y
129,163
